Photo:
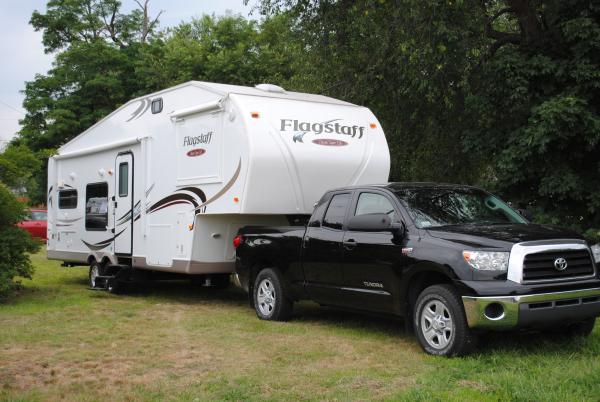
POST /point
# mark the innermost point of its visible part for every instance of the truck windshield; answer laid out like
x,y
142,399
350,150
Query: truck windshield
x,y
442,206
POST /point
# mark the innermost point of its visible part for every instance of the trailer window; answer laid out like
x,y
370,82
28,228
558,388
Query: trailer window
x,y
67,199
96,207
334,217
157,105
123,179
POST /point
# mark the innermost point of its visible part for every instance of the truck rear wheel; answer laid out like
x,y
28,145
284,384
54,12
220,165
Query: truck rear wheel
x,y
440,322
271,300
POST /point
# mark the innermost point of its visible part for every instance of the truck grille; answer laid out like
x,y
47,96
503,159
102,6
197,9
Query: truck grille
x,y
540,266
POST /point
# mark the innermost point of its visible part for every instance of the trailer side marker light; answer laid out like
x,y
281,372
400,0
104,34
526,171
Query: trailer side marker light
x,y
236,199
191,226
373,125
255,115
237,241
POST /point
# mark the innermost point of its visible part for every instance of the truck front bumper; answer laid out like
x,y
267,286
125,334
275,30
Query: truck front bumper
x,y
533,310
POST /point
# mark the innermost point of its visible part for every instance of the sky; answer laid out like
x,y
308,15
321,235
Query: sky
x,y
25,57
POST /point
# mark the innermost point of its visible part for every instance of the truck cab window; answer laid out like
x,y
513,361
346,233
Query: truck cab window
x,y
371,203
334,217
96,207
67,199
317,215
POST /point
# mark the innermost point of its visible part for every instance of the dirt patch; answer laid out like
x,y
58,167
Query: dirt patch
x,y
474,385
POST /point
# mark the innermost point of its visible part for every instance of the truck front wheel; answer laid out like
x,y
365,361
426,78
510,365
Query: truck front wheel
x,y
271,301
440,322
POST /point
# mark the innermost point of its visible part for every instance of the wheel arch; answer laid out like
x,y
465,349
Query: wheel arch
x,y
421,277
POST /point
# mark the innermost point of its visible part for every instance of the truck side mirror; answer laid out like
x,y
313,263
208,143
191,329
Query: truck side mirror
x,y
370,223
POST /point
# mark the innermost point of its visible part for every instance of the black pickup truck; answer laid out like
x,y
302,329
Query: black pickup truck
x,y
453,260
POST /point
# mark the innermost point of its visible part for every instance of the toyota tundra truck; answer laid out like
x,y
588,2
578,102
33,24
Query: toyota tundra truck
x,y
453,260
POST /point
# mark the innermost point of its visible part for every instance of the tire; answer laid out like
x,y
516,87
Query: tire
x,y
441,324
583,328
96,269
271,300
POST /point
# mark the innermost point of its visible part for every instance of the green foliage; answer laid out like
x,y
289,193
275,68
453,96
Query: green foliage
x,y
19,169
503,93
409,62
229,49
538,114
70,22
14,243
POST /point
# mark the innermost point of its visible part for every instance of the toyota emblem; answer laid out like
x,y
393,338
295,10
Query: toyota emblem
x,y
560,264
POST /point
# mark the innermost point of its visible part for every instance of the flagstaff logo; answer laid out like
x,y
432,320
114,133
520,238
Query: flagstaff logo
x,y
301,128
200,139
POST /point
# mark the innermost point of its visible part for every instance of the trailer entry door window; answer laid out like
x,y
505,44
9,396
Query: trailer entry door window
x,y
123,179
96,207
334,218
67,199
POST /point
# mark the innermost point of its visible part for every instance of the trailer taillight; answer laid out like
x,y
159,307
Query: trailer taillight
x,y
237,241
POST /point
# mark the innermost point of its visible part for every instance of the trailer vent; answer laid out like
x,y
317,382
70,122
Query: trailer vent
x,y
270,88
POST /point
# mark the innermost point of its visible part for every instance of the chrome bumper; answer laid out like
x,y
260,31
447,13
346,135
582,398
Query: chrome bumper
x,y
506,312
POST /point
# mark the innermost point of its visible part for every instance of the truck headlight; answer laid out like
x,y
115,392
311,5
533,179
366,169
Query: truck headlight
x,y
596,252
487,260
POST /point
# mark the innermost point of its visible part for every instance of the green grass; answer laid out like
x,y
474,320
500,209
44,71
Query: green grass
x,y
174,341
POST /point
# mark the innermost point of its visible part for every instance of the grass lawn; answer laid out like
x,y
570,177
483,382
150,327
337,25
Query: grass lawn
x,y
174,341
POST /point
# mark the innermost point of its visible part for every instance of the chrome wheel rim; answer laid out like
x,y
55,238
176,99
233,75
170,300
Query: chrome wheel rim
x,y
94,273
437,326
265,297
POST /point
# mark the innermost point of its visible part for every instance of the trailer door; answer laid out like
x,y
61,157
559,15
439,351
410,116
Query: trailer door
x,y
124,209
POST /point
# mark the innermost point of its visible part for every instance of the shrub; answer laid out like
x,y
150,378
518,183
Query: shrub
x,y
14,243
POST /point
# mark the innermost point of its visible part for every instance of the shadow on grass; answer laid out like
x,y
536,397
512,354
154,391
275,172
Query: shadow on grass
x,y
75,280
184,292
384,324
490,343
527,343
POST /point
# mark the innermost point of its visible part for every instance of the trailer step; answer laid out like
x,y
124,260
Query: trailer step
x,y
102,282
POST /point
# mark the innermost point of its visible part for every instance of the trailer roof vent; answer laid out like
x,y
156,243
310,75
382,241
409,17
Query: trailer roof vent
x,y
270,88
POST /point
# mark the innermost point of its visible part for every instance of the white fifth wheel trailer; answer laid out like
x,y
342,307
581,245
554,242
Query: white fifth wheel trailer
x,y
164,182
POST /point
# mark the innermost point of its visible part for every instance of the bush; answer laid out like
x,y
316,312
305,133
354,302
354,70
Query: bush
x,y
14,243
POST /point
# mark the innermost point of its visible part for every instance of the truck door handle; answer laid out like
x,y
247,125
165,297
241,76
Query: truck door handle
x,y
350,244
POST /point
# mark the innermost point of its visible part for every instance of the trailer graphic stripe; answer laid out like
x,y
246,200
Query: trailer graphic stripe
x,y
174,197
229,184
142,108
170,204
127,215
102,244
196,191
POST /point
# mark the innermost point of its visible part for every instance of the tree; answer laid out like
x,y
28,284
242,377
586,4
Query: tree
x,y
19,167
71,22
228,49
498,92
537,104
407,60
14,243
